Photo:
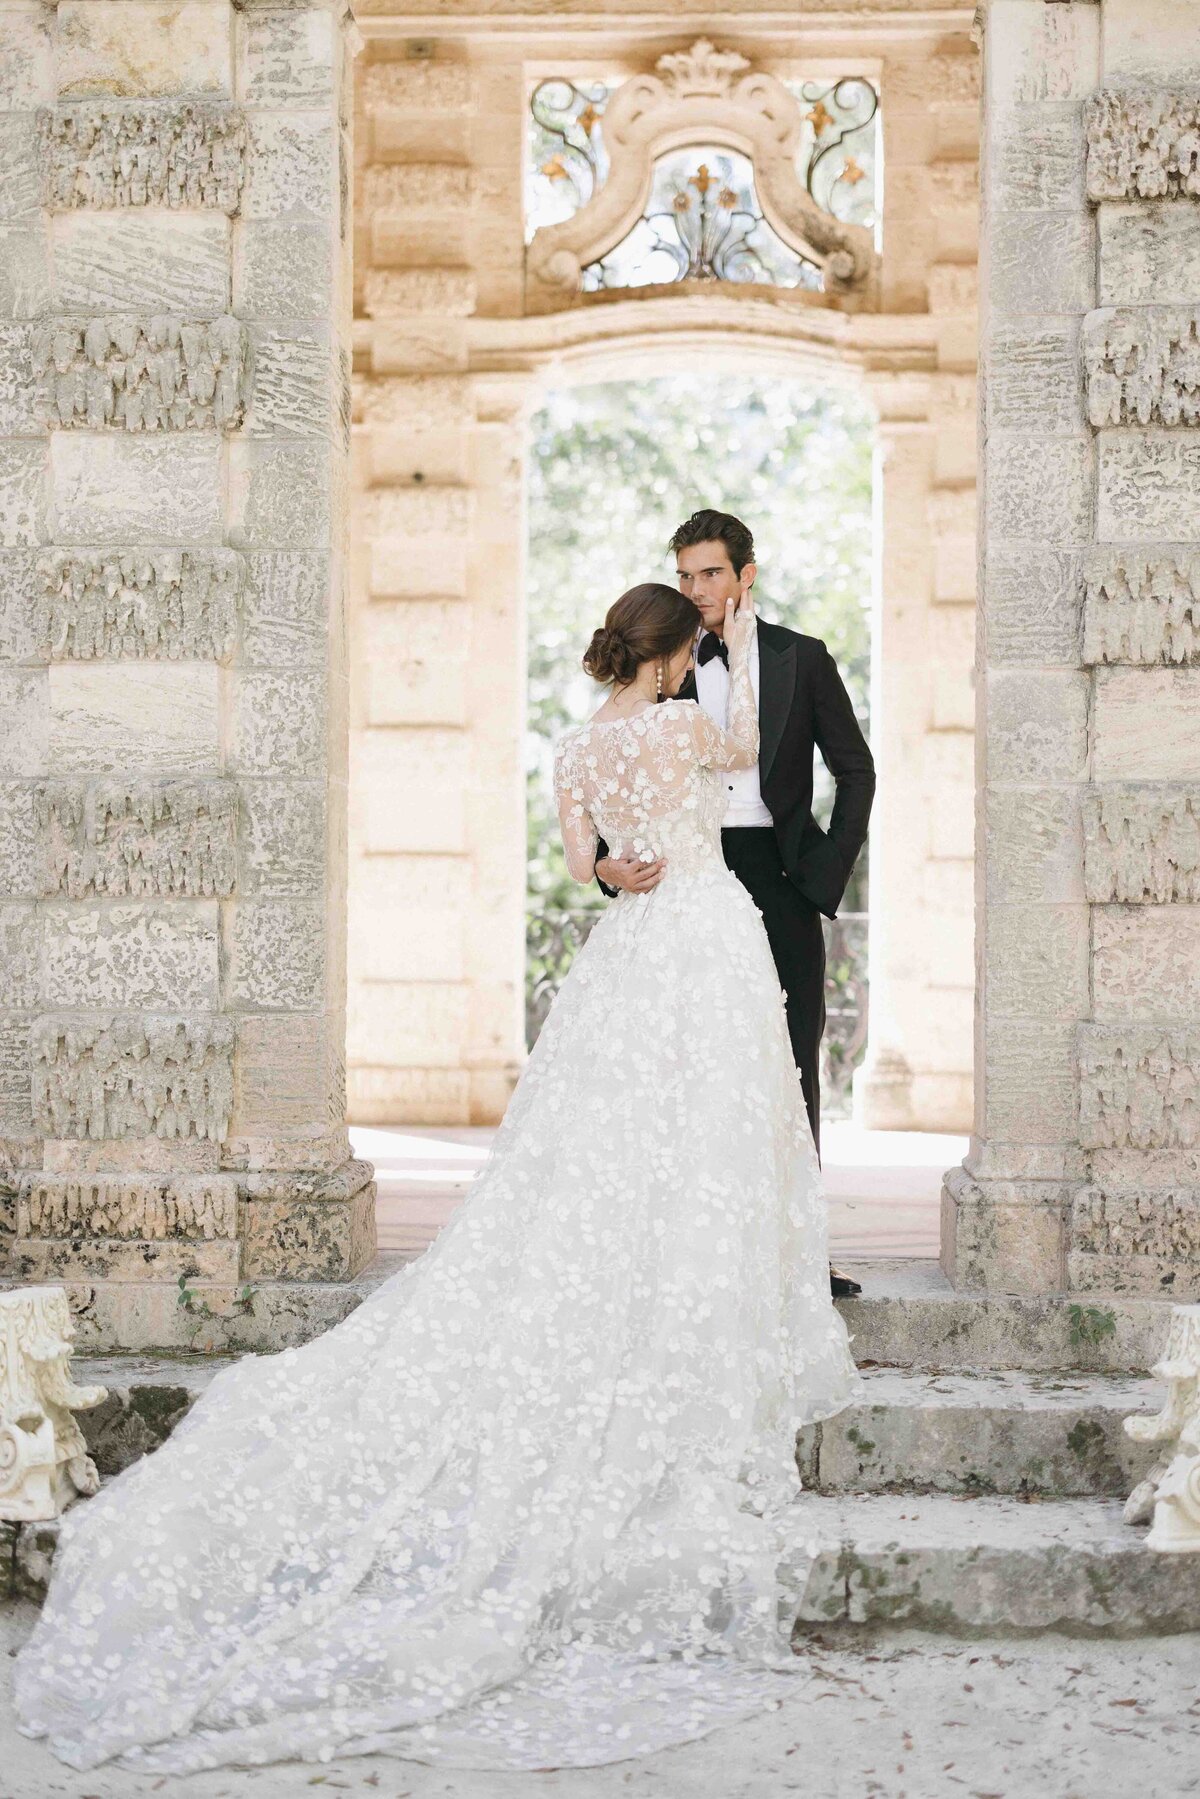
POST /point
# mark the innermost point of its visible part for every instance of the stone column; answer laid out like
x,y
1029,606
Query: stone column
x,y
172,736
920,963
917,1070
1083,1169
437,898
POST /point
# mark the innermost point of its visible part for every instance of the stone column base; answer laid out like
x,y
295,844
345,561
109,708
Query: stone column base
x,y
150,1240
1069,1236
430,1096
882,1090
1004,1236
214,1317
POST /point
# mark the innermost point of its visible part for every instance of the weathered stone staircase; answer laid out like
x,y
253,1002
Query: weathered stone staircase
x,y
978,1485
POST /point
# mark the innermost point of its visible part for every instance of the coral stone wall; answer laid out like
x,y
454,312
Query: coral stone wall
x,y
174,420
1084,1170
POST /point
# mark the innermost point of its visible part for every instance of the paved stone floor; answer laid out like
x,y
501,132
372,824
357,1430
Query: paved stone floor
x,y
884,1186
898,1716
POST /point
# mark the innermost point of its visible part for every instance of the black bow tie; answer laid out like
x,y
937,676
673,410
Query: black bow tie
x,y
711,645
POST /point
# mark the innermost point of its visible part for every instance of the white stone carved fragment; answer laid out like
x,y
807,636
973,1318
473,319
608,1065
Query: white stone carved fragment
x,y
155,837
1139,1087
1141,604
1171,1491
177,604
132,153
44,1463
131,1076
1142,365
156,374
1141,845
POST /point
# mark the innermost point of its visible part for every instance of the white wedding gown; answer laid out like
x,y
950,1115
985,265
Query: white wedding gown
x,y
524,1507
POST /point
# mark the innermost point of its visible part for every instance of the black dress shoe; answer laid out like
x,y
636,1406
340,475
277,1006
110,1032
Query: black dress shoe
x,y
841,1286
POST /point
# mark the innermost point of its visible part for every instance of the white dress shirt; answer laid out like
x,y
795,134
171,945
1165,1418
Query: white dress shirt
x,y
744,801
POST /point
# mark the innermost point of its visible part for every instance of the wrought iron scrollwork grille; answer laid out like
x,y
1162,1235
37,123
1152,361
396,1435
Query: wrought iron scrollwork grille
x,y
703,223
553,939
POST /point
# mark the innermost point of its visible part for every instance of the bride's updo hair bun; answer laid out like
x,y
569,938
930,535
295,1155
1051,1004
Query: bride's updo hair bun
x,y
609,657
649,622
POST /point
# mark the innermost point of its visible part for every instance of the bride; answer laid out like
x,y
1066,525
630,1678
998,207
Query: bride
x,y
524,1507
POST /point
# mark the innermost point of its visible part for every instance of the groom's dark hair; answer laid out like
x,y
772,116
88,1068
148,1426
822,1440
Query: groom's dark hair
x,y
708,526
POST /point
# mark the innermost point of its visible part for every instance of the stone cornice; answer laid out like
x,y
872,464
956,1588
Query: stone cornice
x,y
463,18
632,334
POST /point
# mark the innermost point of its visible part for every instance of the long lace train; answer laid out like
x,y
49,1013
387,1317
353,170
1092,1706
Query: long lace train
x,y
524,1507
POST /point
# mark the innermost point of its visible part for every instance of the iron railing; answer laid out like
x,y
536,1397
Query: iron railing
x,y
552,939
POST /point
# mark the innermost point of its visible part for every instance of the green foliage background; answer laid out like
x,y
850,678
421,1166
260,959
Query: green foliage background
x,y
615,468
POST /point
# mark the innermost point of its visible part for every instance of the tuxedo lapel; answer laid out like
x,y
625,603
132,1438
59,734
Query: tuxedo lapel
x,y
776,688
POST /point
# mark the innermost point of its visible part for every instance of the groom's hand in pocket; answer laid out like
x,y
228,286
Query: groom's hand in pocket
x,y
629,873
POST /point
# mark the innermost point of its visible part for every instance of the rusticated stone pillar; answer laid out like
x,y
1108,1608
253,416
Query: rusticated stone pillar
x,y
1083,1173
437,829
175,410
917,1070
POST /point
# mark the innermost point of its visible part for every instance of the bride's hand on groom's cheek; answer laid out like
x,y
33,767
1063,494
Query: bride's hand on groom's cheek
x,y
739,616
630,874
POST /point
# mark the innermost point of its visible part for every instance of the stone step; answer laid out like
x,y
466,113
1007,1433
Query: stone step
x,y
1054,1434
942,1563
147,1396
153,1317
908,1316
973,1565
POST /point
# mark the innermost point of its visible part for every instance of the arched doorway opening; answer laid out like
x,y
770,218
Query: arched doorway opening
x,y
474,317
613,466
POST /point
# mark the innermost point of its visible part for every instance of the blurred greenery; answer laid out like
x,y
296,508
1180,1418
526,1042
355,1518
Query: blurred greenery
x,y
614,468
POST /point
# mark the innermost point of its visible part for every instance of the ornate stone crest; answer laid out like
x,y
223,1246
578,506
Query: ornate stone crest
x,y
701,70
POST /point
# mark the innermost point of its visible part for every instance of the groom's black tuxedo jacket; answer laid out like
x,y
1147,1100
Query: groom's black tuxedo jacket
x,y
802,704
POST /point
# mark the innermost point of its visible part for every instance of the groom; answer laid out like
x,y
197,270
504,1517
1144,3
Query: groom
x,y
793,870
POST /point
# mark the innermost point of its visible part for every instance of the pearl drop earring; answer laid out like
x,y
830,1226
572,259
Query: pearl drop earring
x,y
658,673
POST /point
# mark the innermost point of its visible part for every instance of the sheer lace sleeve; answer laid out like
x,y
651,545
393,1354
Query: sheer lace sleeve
x,y
579,833
737,745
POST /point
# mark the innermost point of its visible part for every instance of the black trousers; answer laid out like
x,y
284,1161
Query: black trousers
x,y
797,942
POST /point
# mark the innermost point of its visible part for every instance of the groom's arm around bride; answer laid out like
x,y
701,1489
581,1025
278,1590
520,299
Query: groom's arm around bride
x,y
803,706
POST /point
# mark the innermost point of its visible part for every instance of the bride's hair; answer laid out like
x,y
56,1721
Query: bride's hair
x,y
649,621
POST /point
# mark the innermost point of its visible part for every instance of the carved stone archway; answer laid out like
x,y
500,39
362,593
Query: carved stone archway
x,y
701,96
458,332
